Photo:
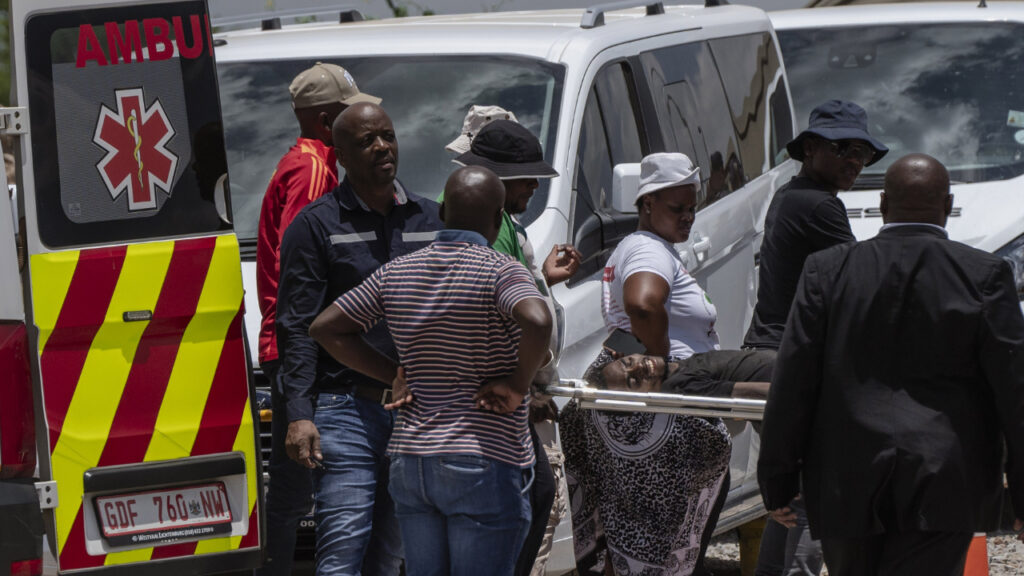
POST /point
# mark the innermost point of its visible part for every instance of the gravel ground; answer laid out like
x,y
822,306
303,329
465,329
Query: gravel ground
x,y
1005,556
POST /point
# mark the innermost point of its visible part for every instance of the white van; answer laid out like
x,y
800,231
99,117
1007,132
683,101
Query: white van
x,y
600,89
944,79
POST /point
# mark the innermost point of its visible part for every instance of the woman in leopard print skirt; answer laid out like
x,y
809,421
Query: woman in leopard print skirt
x,y
642,485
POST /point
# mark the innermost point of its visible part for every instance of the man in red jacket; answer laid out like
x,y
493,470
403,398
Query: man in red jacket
x,y
306,172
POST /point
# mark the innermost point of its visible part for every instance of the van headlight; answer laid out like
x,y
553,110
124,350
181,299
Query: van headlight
x,y
1014,254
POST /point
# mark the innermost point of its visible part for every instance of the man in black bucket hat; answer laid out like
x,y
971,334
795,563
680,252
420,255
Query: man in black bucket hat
x,y
805,216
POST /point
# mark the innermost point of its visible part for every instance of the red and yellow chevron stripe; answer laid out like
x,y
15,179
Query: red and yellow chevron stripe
x,y
119,392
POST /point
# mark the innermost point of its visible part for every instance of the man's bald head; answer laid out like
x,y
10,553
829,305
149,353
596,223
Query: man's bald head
x,y
473,200
916,190
349,120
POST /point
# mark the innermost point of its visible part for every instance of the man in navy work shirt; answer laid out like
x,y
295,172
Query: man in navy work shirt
x,y
471,329
337,423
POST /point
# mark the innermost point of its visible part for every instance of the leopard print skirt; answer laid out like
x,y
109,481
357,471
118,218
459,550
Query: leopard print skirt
x,y
641,486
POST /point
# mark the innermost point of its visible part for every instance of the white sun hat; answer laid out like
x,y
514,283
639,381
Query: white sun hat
x,y
666,170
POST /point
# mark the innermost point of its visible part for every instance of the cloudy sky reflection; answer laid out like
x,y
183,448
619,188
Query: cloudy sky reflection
x,y
946,90
427,99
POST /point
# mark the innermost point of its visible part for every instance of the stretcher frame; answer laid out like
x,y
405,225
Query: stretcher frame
x,y
658,402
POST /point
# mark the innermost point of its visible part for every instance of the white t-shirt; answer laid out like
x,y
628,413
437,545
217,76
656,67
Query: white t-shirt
x,y
691,315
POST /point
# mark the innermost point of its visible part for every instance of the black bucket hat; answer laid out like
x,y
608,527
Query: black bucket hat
x,y
509,150
837,120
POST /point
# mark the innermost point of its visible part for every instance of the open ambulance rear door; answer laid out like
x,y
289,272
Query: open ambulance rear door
x,y
134,290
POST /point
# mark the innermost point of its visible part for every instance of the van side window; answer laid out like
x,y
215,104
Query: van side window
x,y
594,168
609,135
617,97
694,115
749,65
782,122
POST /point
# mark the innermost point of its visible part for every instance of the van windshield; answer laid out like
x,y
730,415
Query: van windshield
x,y
954,91
426,98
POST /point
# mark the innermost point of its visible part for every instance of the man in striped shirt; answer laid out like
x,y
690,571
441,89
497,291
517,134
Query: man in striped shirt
x,y
471,330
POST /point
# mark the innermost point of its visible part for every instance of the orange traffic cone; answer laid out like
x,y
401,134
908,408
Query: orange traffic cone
x,y
977,557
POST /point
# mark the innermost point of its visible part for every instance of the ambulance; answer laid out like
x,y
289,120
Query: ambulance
x,y
125,391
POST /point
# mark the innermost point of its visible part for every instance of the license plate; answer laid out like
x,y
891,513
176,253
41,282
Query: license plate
x,y
166,515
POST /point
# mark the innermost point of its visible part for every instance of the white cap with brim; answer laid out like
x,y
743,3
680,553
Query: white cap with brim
x,y
477,118
667,170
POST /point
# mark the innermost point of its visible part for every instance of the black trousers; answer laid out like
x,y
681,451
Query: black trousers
x,y
542,498
898,554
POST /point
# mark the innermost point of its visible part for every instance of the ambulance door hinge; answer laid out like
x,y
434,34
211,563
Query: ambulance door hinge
x,y
14,121
47,492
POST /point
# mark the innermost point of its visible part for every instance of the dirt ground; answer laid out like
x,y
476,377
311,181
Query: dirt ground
x,y
1005,556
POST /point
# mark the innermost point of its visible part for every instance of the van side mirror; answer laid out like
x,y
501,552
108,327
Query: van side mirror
x,y
625,184
222,198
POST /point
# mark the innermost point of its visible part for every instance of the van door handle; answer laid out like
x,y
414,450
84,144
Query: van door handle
x,y
701,247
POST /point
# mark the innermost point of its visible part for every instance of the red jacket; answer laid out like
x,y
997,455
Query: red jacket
x,y
304,174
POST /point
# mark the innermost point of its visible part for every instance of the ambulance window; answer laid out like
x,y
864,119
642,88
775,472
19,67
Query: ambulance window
x,y
127,142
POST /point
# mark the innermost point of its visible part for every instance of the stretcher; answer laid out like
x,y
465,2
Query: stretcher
x,y
622,401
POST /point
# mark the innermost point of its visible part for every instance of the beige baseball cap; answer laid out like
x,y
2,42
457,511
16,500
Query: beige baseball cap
x,y
326,84
477,118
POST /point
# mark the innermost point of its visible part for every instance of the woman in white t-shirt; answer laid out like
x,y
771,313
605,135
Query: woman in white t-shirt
x,y
643,485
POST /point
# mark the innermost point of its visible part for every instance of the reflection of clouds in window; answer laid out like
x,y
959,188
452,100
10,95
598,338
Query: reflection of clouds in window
x,y
427,100
940,89
950,136
425,124
430,115
259,127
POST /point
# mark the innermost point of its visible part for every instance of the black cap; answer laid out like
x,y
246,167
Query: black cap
x,y
509,150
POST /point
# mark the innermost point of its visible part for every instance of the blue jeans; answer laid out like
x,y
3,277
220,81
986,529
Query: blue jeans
x,y
356,529
461,515
290,491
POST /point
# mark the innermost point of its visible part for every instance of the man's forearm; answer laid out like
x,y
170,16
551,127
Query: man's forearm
x,y
352,351
751,390
340,335
535,322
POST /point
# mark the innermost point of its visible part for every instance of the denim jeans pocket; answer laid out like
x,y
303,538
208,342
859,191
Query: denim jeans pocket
x,y
529,475
467,464
329,400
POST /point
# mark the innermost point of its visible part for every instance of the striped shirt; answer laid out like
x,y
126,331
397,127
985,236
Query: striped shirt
x,y
449,310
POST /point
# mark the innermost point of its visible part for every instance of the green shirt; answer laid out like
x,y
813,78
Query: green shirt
x,y
507,242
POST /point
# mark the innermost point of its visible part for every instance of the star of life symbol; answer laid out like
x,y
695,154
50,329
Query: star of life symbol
x,y
137,159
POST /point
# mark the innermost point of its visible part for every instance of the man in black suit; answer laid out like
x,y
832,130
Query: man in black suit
x,y
900,375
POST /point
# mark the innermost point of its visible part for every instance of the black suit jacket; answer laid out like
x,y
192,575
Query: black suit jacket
x,y
900,374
